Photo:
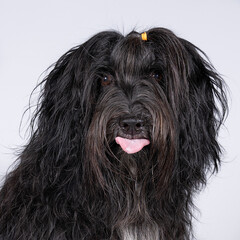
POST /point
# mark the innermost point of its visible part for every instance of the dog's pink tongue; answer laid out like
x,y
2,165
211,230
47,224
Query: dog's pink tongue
x,y
131,146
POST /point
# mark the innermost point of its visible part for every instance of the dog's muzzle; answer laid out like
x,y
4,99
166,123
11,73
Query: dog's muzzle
x,y
132,135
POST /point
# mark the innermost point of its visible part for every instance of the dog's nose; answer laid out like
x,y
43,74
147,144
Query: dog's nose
x,y
131,126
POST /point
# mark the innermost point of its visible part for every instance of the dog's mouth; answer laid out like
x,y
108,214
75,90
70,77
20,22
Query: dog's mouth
x,y
133,133
132,146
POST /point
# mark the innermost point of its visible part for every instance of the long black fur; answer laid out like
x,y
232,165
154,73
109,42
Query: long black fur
x,y
73,181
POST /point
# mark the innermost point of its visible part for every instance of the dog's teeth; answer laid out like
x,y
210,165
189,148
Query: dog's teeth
x,y
131,146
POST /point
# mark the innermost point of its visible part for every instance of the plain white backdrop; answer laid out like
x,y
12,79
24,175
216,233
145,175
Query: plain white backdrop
x,y
34,34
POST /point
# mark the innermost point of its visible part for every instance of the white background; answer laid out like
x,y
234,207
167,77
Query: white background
x,y
34,34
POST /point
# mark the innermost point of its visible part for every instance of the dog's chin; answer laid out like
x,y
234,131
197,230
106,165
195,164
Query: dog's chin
x,y
131,146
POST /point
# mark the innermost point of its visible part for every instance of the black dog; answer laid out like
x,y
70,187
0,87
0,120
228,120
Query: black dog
x,y
124,135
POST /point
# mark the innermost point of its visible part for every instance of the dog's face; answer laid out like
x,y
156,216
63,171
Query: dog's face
x,y
131,108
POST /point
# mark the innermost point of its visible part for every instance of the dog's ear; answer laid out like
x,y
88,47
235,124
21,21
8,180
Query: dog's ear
x,y
196,94
68,98
204,110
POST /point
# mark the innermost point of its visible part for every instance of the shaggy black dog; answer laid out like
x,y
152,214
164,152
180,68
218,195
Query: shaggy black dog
x,y
123,136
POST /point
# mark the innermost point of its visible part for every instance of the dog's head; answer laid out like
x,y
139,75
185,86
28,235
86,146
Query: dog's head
x,y
115,98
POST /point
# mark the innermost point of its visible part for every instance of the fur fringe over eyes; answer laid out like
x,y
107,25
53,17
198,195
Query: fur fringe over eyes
x,y
74,181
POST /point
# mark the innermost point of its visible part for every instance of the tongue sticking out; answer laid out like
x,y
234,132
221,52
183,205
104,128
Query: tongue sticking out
x,y
131,146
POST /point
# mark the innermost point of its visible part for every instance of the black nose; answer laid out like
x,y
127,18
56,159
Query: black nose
x,y
132,126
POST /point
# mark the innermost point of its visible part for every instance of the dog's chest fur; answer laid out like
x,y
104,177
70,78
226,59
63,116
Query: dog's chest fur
x,y
147,230
149,233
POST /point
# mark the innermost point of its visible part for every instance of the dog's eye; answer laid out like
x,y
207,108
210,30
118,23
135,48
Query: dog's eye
x,y
106,80
156,76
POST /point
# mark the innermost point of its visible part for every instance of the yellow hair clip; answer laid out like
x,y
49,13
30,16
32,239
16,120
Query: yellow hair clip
x,y
144,36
